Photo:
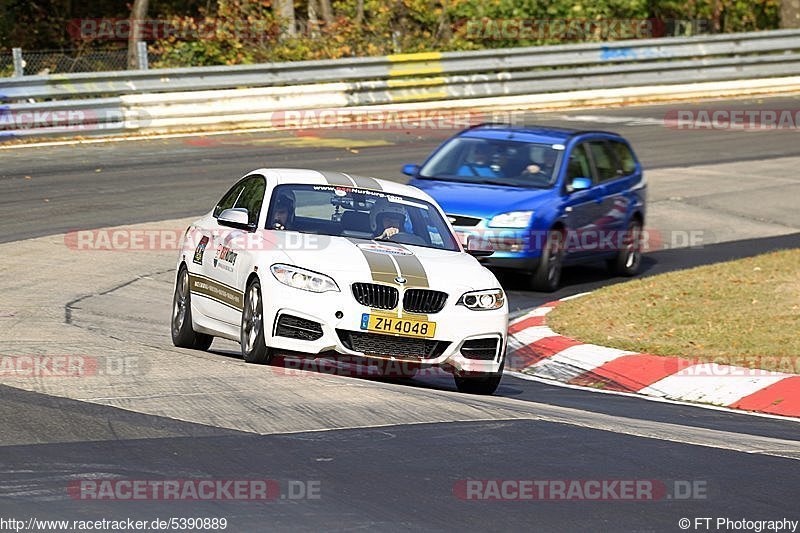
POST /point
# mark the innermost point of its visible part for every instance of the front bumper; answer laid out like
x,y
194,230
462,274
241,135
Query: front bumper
x,y
514,249
455,325
522,261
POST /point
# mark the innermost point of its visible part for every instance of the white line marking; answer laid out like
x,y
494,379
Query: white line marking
x,y
601,119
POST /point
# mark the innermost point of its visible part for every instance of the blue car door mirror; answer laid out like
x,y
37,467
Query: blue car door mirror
x,y
410,170
579,184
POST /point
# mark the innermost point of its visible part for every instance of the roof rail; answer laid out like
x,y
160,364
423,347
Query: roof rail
x,y
602,132
482,124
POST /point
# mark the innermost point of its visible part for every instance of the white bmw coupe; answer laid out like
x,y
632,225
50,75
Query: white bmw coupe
x,y
332,265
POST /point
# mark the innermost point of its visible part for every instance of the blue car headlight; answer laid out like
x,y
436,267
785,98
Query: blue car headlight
x,y
513,219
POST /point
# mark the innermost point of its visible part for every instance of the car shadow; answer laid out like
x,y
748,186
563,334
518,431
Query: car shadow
x,y
575,279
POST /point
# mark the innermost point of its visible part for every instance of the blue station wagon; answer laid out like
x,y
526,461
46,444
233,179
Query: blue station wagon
x,y
542,197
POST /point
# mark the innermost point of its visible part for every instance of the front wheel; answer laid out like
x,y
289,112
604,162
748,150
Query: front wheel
x,y
183,335
479,383
254,349
629,258
547,276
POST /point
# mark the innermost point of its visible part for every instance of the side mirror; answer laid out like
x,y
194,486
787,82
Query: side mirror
x,y
579,184
478,247
235,218
410,170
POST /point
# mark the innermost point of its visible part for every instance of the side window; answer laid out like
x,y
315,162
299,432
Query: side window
x,y
229,199
624,156
578,166
252,197
604,161
248,193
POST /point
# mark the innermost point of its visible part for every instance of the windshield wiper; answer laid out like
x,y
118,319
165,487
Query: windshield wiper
x,y
510,184
495,182
434,178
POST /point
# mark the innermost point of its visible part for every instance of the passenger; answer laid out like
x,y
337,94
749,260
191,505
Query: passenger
x,y
478,164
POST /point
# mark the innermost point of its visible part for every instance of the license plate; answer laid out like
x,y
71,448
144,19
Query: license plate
x,y
398,326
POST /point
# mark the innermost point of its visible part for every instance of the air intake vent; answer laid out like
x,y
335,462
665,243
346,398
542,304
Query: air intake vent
x,y
461,220
298,328
424,301
390,345
375,295
482,349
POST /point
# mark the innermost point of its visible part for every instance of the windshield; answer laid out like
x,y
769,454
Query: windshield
x,y
359,213
495,161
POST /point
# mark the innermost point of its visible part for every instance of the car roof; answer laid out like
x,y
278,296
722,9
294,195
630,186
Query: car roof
x,y
288,176
532,133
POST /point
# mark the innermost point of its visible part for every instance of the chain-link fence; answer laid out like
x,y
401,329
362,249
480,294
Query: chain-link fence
x,y
6,64
41,62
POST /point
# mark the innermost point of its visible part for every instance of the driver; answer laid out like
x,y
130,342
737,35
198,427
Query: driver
x,y
543,163
387,219
283,212
478,163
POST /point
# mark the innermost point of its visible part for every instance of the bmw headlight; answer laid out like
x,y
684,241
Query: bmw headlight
x,y
514,219
483,300
303,279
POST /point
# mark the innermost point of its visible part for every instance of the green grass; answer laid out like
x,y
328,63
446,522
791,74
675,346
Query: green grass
x,y
744,312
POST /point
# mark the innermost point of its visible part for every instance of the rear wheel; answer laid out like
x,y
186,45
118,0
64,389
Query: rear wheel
x,y
629,258
547,276
183,335
479,382
254,349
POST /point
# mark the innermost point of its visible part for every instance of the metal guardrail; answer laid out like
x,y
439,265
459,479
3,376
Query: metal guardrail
x,y
166,93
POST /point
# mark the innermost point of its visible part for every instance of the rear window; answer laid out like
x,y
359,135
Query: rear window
x,y
604,161
625,157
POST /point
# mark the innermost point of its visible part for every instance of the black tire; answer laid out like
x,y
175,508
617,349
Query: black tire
x,y
183,335
479,383
254,349
629,258
547,276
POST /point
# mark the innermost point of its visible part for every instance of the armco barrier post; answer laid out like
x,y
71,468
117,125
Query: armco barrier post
x,y
141,55
19,64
